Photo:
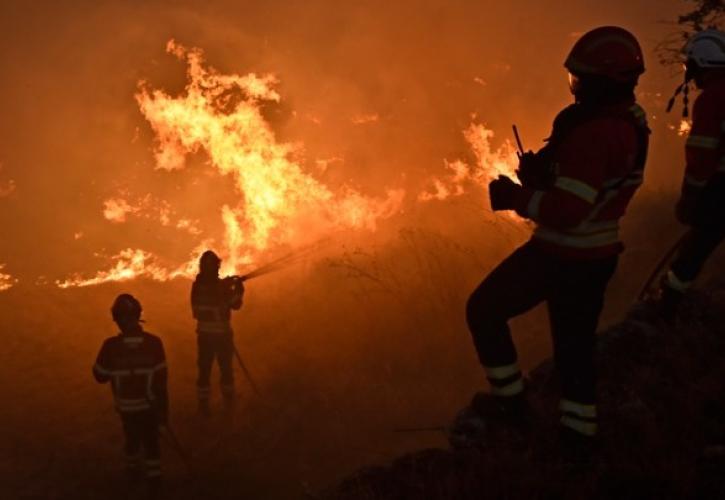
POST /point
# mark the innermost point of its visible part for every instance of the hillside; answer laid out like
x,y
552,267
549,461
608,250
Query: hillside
x,y
655,384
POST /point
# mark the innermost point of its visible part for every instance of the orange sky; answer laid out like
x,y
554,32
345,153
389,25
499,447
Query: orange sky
x,y
379,91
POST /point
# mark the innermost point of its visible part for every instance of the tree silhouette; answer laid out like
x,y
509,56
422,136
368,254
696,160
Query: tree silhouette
x,y
704,14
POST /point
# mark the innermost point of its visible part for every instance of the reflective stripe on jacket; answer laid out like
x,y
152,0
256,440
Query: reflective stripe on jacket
x,y
599,164
136,367
212,301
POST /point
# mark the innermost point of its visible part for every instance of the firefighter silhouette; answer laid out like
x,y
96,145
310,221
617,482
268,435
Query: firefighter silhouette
x,y
702,202
135,364
212,301
575,190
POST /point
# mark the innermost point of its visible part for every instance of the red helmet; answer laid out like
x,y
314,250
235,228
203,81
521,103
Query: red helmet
x,y
608,51
126,309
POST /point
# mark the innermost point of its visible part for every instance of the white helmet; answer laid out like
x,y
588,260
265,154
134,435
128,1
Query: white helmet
x,y
707,49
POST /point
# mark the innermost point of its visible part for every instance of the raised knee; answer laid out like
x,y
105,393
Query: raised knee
x,y
480,311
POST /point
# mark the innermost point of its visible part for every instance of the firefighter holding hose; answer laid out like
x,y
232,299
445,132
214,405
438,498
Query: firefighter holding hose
x,y
575,190
212,301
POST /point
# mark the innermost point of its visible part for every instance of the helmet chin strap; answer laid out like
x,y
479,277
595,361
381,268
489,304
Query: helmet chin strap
x,y
684,88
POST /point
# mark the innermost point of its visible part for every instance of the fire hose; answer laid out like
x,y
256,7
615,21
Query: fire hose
x,y
644,292
168,435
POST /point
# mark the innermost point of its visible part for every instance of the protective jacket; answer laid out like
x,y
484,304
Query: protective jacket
x,y
705,147
597,156
135,364
212,301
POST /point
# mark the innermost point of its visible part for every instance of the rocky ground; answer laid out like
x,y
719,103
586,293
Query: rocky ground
x,y
659,387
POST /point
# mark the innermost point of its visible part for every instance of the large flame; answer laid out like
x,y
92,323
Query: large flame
x,y
685,127
6,280
118,209
280,203
490,163
130,264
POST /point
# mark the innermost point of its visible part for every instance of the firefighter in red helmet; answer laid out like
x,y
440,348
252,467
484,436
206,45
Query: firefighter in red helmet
x,y
212,302
135,364
575,190
702,202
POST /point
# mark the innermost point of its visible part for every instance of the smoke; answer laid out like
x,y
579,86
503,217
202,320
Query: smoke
x,y
370,96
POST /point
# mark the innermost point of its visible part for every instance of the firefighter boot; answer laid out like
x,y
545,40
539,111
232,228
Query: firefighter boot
x,y
577,450
203,394
154,488
505,419
229,395
669,303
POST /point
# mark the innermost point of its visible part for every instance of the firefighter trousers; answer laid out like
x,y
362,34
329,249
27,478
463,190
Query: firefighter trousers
x,y
141,430
574,293
219,346
705,235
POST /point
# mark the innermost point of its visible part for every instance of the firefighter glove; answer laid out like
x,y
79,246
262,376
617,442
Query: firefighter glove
x,y
534,171
503,192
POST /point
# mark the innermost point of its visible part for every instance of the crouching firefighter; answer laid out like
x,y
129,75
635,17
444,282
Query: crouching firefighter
x,y
575,189
702,203
135,364
212,302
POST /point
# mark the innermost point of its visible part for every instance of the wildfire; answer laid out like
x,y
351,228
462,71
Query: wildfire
x,y
131,264
685,127
280,203
118,209
6,187
6,281
489,165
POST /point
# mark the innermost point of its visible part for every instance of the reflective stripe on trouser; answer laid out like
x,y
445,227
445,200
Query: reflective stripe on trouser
x,y
706,234
579,417
132,405
505,380
132,459
676,283
212,327
153,467
217,347
574,292
228,390
203,393
142,436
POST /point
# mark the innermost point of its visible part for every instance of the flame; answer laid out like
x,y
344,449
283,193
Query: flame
x,y
280,203
489,165
6,187
130,264
364,119
118,209
685,127
6,280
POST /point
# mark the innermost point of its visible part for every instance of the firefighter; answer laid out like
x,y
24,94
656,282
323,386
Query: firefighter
x,y
702,201
135,364
575,190
212,301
